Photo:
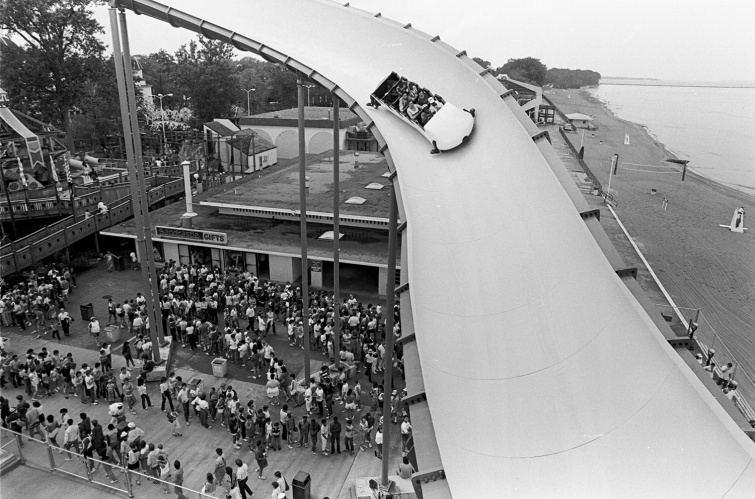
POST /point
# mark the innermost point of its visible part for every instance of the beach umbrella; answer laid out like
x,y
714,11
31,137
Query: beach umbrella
x,y
678,161
682,162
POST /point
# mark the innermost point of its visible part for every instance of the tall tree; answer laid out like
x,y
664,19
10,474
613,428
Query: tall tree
x,y
159,69
528,69
481,62
98,106
206,74
48,74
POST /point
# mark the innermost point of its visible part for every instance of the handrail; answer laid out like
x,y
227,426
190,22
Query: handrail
x,y
68,221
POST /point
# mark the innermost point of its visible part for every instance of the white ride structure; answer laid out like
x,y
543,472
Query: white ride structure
x,y
534,370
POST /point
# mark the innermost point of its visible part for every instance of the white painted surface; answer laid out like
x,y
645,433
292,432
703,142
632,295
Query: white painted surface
x,y
561,385
170,251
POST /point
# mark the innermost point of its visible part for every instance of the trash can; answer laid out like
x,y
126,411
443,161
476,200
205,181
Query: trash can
x,y
113,333
219,367
118,263
87,311
301,486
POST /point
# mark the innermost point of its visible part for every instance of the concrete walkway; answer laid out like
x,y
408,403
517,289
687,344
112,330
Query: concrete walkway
x,y
331,476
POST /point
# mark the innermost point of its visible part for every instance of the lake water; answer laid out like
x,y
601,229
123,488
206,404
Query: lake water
x,y
713,127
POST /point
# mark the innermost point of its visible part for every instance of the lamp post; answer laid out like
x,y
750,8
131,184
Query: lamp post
x,y
248,101
162,118
308,87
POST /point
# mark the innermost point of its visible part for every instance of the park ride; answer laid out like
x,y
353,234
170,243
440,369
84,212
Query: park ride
x,y
569,388
442,123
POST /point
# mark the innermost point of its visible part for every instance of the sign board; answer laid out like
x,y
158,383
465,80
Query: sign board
x,y
198,236
316,266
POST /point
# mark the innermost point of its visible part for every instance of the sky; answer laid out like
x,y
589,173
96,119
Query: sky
x,y
665,39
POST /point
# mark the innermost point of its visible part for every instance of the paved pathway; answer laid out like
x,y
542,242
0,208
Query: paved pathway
x,y
331,476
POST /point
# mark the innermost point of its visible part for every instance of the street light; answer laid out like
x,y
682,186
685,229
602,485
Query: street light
x,y
248,105
162,118
308,87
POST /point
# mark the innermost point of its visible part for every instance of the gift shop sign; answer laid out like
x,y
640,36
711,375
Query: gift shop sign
x,y
197,236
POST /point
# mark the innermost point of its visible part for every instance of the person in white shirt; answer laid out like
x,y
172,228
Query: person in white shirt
x,y
379,442
71,438
242,475
203,407
165,392
91,387
406,433
94,330
308,398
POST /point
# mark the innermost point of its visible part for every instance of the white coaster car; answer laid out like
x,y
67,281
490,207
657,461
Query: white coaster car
x,y
443,124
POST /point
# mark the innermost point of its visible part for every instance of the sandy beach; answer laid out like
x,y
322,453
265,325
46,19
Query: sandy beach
x,y
701,264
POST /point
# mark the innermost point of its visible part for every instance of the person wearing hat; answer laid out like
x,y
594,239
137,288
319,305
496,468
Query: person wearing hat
x,y
94,330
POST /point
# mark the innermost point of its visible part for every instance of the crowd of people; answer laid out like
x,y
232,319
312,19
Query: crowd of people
x,y
228,314
39,303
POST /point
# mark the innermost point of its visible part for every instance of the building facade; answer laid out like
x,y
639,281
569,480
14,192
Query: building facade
x,y
252,224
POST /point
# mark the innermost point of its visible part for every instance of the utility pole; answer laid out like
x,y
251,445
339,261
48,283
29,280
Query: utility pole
x,y
248,101
308,87
162,119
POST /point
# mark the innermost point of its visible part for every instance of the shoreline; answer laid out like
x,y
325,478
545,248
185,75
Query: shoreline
x,y
748,191
702,265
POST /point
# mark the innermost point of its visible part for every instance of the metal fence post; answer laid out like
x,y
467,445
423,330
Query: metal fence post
x,y
129,487
50,455
20,445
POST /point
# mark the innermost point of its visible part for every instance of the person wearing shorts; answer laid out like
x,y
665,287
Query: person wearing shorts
x,y
273,391
350,403
94,330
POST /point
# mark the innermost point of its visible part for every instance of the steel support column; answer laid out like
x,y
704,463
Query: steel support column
x,y
336,229
132,141
389,337
303,227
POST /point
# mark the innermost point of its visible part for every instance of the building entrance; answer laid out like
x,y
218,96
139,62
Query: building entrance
x,y
354,278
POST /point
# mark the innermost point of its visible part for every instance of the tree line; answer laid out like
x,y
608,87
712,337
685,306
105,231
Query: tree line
x,y
59,73
531,70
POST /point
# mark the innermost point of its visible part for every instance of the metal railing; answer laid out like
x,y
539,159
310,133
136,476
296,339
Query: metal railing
x,y
27,251
709,341
111,476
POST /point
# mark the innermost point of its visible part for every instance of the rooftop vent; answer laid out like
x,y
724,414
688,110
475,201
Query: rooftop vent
x,y
328,236
355,200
